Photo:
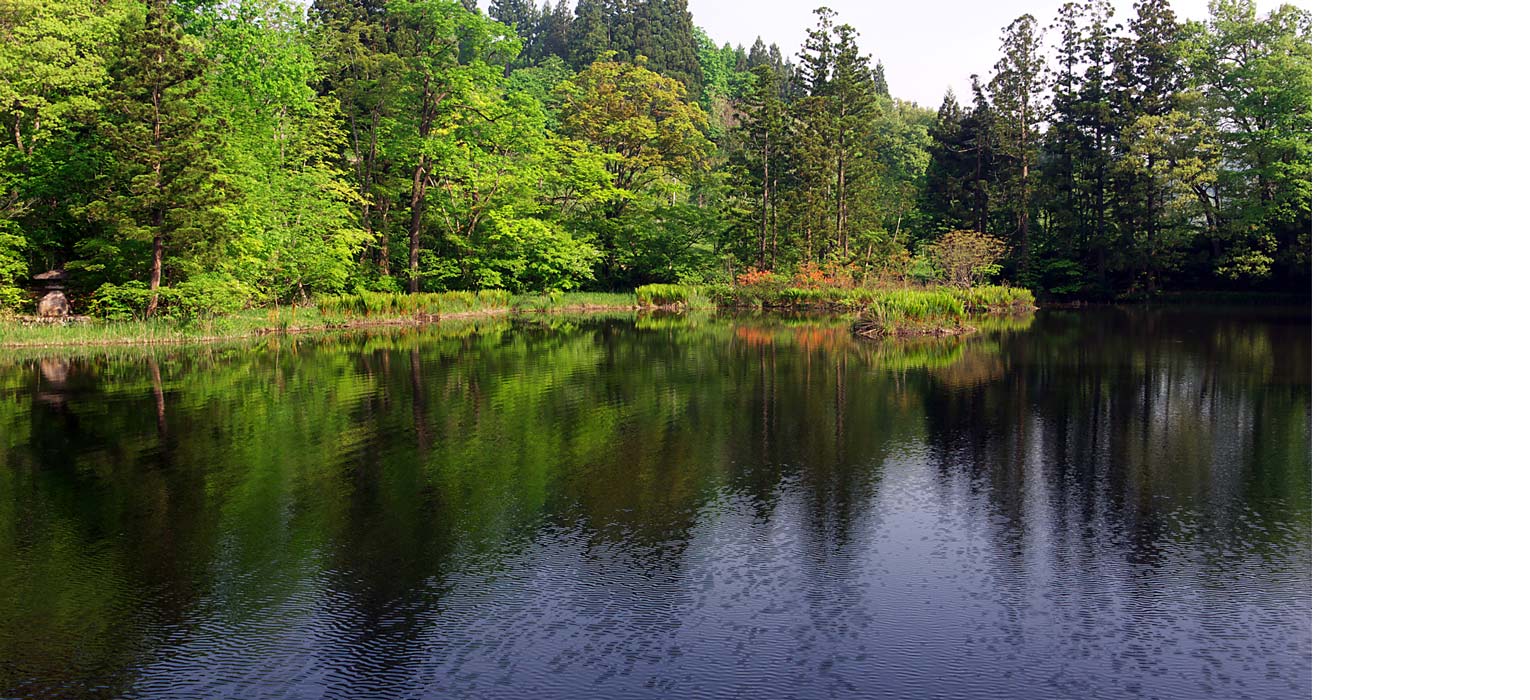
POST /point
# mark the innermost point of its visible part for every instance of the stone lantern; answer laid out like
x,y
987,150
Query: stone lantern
x,y
53,303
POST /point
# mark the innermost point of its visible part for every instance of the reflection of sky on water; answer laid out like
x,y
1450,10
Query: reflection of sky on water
x,y
1104,503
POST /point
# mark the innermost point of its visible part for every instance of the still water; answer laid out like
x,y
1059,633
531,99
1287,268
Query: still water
x,y
1096,503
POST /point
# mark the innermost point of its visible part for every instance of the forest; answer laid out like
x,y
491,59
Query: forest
x,y
211,156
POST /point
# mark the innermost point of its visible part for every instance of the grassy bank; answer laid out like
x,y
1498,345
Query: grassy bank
x,y
326,313
879,312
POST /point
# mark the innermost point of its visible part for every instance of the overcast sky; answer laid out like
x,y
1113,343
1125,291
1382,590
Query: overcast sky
x,y
926,46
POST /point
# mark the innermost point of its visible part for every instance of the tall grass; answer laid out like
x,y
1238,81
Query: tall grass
x,y
911,311
155,331
326,312
882,311
377,305
689,296
991,298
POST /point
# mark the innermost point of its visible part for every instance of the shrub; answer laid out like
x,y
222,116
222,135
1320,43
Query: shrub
x,y
11,300
751,277
964,257
123,302
206,296
813,275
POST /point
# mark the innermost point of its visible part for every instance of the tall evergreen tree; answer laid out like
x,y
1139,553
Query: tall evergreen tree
x,y
524,16
1082,138
1148,78
361,73
764,121
853,95
1017,88
555,31
162,187
591,35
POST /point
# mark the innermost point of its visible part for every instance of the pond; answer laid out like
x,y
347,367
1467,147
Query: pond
x,y
1084,503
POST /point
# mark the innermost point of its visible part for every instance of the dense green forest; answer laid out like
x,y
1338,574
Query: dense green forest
x,y
212,155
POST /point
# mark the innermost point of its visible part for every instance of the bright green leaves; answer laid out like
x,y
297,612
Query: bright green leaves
x,y
642,119
1256,75
523,254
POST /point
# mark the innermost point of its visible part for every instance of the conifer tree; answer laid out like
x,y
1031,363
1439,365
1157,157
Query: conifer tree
x,y
591,36
361,73
1151,77
162,188
763,120
524,16
555,31
1017,87
853,94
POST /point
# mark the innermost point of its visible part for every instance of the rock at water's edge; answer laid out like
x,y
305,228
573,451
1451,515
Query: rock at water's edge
x,y
53,305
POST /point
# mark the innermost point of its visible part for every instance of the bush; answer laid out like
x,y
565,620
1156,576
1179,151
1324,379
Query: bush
x,y
11,300
123,302
201,297
751,277
964,257
206,296
815,276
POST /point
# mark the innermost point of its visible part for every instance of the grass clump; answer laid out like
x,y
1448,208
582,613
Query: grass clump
x,y
889,311
913,312
992,298
690,296
386,305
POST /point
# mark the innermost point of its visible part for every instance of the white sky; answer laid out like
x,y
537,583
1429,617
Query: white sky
x,y
925,46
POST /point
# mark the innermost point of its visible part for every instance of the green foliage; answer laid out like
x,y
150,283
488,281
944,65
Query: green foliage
x,y
383,306
904,312
164,187
992,298
11,300
531,255
897,307
965,257
288,152
671,295
1256,78
293,227
124,302
204,296
639,118
207,296
13,270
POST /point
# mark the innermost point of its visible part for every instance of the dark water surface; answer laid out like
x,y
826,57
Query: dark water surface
x,y
1099,503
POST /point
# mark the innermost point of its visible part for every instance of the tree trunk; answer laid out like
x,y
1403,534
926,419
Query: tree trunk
x,y
428,102
839,189
156,268
416,220
1025,209
839,214
765,204
384,267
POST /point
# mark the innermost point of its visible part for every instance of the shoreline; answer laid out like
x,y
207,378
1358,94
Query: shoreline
x,y
881,314
415,321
